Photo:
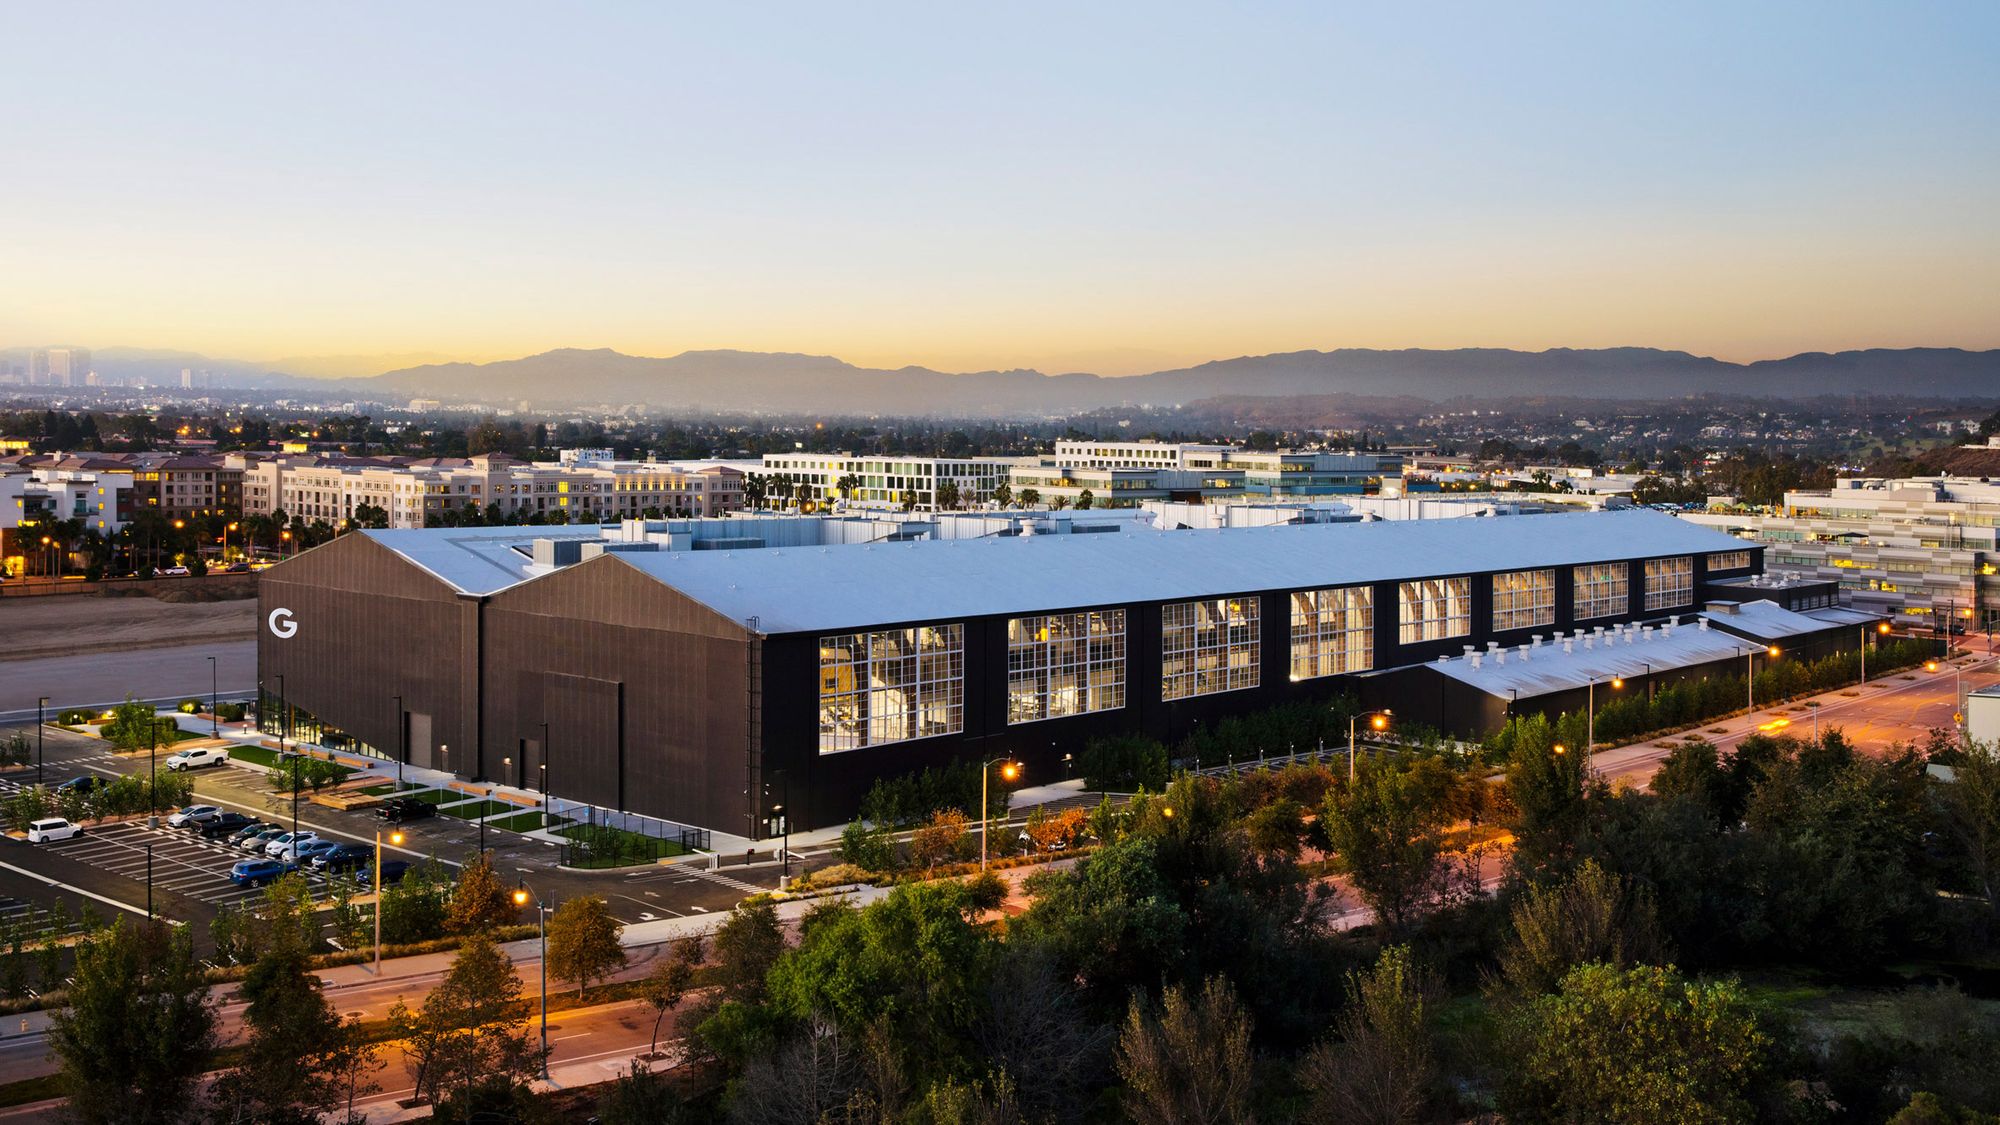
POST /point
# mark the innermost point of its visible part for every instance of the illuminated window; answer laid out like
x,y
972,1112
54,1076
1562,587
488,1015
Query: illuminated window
x,y
1669,582
1602,590
1522,598
1065,664
1728,560
1208,646
1333,631
890,686
1434,608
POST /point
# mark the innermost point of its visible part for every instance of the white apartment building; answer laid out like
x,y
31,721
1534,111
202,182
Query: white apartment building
x,y
813,479
1282,472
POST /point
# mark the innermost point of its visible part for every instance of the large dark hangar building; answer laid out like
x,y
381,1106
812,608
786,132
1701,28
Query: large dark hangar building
x,y
623,671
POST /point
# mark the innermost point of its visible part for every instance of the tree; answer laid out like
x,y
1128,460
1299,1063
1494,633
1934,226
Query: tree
x,y
471,1029
915,960
1591,917
940,839
1085,499
1694,770
139,1029
1112,922
1031,497
1386,828
1381,1069
948,495
639,1097
746,946
1189,1063
479,902
295,1043
1035,1030
1639,1046
583,941
663,989
1968,806
1124,764
1003,495
846,486
1545,784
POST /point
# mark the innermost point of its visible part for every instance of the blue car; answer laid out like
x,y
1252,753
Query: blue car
x,y
303,855
256,872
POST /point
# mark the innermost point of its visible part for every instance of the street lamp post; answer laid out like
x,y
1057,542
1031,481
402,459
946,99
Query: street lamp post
x,y
402,742
1813,706
783,811
1009,770
395,838
521,896
1590,714
153,768
41,737
214,700
149,882
1377,720
1881,629
1750,673
548,810
482,821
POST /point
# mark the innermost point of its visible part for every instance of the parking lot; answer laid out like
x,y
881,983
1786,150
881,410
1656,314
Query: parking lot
x,y
182,861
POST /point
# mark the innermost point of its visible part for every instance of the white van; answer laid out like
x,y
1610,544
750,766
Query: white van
x,y
51,829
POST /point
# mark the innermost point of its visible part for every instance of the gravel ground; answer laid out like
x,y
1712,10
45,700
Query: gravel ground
x,y
71,625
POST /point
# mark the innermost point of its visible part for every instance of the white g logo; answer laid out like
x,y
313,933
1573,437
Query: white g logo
x,y
282,625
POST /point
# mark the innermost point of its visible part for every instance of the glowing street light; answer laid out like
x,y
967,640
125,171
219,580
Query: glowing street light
x,y
1009,770
1377,721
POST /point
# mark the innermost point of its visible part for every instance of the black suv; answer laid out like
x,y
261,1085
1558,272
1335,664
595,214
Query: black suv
x,y
396,810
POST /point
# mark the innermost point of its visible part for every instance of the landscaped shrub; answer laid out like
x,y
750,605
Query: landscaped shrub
x,y
1124,764
190,706
230,712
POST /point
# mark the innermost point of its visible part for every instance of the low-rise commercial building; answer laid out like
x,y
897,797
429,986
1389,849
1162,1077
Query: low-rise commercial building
x,y
684,683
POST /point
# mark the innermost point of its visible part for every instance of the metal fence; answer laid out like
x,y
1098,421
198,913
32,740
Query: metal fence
x,y
596,837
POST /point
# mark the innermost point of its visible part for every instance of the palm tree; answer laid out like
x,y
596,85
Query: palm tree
x,y
1085,499
846,486
1003,496
947,496
753,492
909,499
1030,497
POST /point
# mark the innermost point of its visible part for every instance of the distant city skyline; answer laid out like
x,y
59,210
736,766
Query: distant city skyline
x,y
1114,190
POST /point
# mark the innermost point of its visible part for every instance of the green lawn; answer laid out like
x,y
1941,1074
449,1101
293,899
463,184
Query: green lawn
x,y
380,790
255,754
523,822
477,809
435,796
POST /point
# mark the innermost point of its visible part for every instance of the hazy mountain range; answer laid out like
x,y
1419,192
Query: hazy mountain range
x,y
793,383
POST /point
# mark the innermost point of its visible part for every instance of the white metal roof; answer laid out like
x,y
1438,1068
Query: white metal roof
x,y
477,560
1768,620
1546,669
827,588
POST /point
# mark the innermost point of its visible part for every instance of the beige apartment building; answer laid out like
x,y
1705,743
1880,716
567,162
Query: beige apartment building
x,y
430,491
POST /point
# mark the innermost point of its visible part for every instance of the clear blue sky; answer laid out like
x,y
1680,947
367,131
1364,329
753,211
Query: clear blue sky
x,y
1101,187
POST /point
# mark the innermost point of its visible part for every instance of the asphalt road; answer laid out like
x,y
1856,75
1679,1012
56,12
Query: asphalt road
x,y
105,678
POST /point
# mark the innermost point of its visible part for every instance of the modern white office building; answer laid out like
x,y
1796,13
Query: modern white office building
x,y
1922,548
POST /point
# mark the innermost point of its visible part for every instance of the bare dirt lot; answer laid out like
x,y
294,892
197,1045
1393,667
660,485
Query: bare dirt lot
x,y
34,628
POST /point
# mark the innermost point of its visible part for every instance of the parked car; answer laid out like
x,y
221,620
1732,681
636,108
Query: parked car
x,y
263,837
226,825
87,784
343,857
286,846
175,572
305,853
50,829
396,810
244,833
192,814
237,568
197,759
254,872
393,871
